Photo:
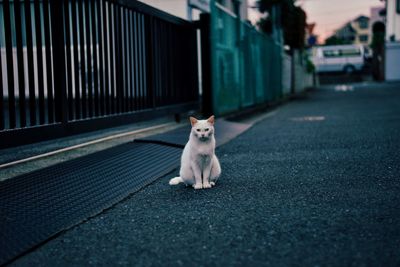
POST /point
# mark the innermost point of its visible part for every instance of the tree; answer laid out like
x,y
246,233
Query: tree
x,y
291,18
334,40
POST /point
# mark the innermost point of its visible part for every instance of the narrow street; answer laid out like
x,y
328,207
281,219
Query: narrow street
x,y
316,184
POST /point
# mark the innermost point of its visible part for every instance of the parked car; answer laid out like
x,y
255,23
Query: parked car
x,y
339,58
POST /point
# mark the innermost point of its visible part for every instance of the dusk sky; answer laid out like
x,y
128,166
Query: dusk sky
x,y
330,15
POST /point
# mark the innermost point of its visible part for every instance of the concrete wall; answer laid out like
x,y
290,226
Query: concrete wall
x,y
392,46
392,61
392,22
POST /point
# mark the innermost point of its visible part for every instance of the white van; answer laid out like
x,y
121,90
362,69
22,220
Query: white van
x,y
347,58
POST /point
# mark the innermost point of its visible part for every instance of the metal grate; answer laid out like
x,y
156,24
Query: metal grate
x,y
38,205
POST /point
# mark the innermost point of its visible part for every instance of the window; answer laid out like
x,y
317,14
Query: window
x,y
398,6
363,24
363,38
331,53
347,52
350,52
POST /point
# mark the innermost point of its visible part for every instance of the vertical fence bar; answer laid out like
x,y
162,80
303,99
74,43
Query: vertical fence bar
x,y
20,62
60,94
139,67
77,98
1,95
126,63
68,60
156,62
39,53
112,51
49,69
147,100
178,67
95,64
29,48
118,56
101,64
193,74
122,60
10,64
89,58
150,61
130,62
144,62
143,100
167,62
106,26
173,55
135,63
161,49
170,64
82,58
206,68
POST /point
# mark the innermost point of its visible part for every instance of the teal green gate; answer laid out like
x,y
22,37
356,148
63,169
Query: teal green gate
x,y
245,65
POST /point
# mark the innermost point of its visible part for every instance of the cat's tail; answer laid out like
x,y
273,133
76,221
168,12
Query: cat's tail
x,y
175,181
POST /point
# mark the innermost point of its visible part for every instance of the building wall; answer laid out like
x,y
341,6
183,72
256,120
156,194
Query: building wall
x,y
230,5
355,32
362,34
179,7
374,15
392,21
392,46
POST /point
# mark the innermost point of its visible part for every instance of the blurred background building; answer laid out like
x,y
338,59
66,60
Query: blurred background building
x,y
392,40
179,7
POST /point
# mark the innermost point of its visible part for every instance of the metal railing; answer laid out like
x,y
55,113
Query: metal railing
x,y
69,66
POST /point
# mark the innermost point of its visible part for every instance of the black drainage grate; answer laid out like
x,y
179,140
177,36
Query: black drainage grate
x,y
38,205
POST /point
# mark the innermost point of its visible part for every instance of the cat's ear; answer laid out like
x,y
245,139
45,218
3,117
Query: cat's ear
x,y
193,120
211,120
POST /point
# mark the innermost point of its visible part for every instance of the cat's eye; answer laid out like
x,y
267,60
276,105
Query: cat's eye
x,y
206,129
198,130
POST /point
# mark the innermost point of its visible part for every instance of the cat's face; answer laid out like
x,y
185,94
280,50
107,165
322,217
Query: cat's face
x,y
202,129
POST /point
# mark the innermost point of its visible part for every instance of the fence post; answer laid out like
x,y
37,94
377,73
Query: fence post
x,y
150,83
58,45
205,35
293,73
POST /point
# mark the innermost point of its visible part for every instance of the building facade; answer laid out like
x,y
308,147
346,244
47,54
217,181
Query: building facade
x,y
179,8
392,40
356,31
393,20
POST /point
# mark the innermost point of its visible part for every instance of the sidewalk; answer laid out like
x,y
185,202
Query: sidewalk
x,y
87,142
314,185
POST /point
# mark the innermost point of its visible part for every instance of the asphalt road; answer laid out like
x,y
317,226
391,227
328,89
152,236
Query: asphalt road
x,y
317,184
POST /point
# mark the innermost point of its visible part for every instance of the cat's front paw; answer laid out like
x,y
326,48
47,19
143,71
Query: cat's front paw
x,y
206,185
198,186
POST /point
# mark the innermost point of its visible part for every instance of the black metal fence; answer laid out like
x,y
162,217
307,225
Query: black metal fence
x,y
68,66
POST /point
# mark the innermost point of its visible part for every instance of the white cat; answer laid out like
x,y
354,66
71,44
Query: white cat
x,y
200,167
